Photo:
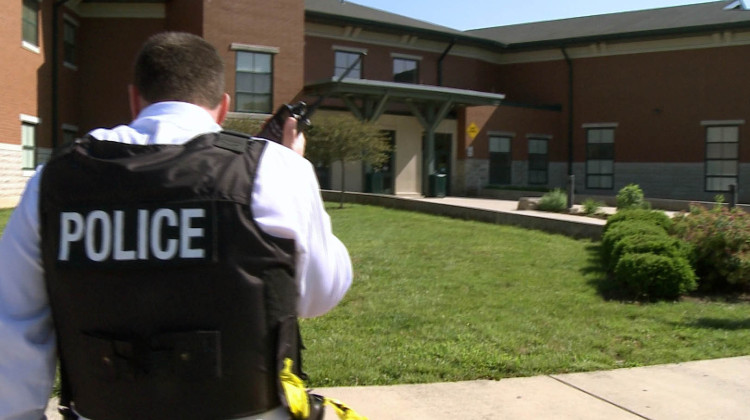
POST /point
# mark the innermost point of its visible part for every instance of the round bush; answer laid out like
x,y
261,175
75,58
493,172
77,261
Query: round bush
x,y
648,244
632,228
654,277
656,217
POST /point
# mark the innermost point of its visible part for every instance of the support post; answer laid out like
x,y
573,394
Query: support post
x,y
571,190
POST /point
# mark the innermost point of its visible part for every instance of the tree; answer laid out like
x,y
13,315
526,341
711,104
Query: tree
x,y
343,138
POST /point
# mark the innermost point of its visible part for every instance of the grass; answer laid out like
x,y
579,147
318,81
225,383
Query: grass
x,y
4,216
438,299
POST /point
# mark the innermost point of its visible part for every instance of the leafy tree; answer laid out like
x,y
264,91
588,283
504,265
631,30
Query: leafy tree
x,y
343,138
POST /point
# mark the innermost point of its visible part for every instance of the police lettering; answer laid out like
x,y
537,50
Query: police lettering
x,y
163,234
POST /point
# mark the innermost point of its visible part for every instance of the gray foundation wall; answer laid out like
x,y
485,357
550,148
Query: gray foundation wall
x,y
675,181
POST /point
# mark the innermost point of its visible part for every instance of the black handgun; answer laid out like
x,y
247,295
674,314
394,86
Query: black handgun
x,y
273,129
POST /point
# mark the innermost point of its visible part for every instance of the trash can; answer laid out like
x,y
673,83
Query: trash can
x,y
437,185
374,183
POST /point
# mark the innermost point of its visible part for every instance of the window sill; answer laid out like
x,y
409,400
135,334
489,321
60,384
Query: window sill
x,y
31,47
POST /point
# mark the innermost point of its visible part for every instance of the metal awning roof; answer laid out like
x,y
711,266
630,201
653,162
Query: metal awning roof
x,y
368,99
401,92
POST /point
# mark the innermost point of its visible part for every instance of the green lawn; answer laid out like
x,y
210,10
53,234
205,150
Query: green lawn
x,y
437,299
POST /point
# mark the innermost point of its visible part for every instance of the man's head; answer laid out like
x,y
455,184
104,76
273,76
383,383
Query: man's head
x,y
177,66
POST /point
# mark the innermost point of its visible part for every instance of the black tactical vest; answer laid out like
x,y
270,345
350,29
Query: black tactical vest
x,y
168,300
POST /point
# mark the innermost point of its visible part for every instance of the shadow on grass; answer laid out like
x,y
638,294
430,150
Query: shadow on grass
x,y
721,324
596,272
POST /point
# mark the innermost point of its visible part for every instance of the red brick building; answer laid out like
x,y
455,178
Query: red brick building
x,y
656,97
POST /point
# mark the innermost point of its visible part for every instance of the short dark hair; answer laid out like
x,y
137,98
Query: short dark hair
x,y
178,66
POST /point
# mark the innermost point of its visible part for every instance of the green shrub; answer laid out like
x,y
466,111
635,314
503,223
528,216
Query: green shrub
x,y
242,125
555,201
654,277
658,245
624,229
720,243
656,217
591,206
631,197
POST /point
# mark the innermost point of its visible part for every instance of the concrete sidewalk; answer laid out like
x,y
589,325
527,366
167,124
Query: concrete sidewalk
x,y
712,389
702,390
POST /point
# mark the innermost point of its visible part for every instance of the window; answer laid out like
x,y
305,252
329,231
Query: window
x,y
69,42
405,70
600,155
30,22
538,160
70,133
254,82
28,142
344,60
500,159
722,153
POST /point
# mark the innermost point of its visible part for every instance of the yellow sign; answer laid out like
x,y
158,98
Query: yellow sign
x,y
472,130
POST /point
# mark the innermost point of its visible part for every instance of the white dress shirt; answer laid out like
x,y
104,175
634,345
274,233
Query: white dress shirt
x,y
286,203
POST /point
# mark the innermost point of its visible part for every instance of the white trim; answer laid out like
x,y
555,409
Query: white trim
x,y
257,116
28,172
11,147
30,119
539,136
31,47
722,122
600,125
501,134
406,56
236,46
349,49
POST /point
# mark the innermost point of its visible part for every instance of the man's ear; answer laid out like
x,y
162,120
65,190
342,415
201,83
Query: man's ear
x,y
136,102
223,108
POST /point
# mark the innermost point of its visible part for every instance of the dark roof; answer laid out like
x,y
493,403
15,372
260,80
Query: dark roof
x,y
336,11
402,91
664,21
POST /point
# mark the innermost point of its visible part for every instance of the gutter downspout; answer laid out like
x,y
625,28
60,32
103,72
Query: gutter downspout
x,y
571,182
440,62
55,65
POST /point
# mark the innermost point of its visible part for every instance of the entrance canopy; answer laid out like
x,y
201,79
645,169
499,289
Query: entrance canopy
x,y
369,99
373,96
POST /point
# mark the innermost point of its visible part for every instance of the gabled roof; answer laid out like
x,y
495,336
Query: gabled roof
x,y
655,22
337,11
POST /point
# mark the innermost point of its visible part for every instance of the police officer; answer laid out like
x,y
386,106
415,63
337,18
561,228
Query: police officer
x,y
164,261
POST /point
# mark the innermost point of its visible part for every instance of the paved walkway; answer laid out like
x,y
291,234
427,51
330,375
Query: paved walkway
x,y
703,390
712,389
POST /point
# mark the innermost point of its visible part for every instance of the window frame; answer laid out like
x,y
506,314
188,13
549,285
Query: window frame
x,y
492,178
415,71
29,124
711,126
30,44
255,51
356,72
545,171
70,50
600,156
